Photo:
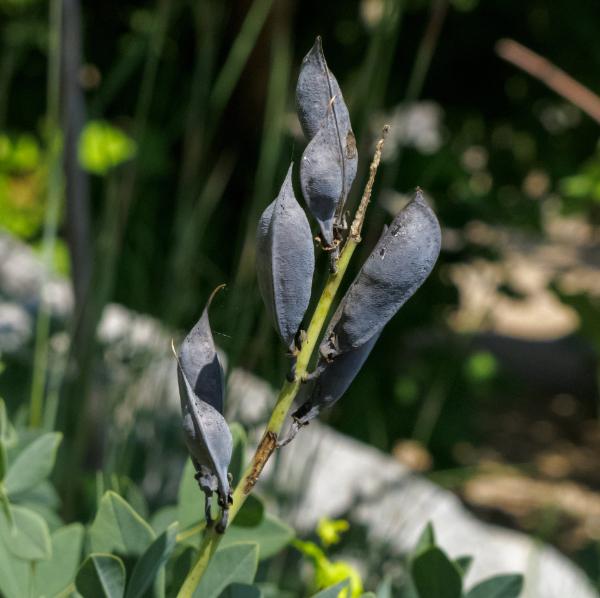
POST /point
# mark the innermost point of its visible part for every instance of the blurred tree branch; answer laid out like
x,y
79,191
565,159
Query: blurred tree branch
x,y
554,77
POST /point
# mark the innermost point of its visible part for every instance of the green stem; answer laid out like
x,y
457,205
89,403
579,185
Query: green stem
x,y
284,402
288,392
52,216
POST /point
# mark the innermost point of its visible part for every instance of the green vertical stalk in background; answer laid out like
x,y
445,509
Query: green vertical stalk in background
x,y
264,182
52,215
237,59
205,118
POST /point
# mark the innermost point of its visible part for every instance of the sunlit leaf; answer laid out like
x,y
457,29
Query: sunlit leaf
x,y
102,147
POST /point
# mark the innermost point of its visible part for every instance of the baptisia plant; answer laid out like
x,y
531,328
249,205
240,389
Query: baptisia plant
x,y
398,265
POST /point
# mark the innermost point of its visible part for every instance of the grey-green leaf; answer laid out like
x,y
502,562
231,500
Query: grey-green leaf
x,y
28,537
332,591
150,563
238,457
15,574
54,575
251,513
242,590
101,576
399,264
434,574
285,261
190,507
119,528
464,564
271,536
499,586
426,540
33,464
233,564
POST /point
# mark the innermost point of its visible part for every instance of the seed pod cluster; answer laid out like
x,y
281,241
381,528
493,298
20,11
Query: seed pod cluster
x,y
329,162
285,262
399,264
206,433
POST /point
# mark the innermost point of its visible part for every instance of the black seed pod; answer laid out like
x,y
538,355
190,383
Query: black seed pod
x,y
328,165
399,264
333,381
206,433
285,261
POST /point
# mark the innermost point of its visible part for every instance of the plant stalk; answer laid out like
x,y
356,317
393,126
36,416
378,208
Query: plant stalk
x,y
52,216
290,389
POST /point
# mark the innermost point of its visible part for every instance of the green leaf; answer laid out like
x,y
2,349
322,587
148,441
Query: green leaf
x,y
434,575
3,419
33,464
3,461
368,595
270,590
242,590
233,564
500,586
54,575
43,493
28,537
151,562
118,528
464,564
238,456
190,499
271,535
101,576
251,513
14,574
426,540
53,521
180,566
5,505
384,589
333,591
161,520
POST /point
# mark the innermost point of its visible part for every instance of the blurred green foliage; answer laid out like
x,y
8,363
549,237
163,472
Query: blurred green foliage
x,y
102,147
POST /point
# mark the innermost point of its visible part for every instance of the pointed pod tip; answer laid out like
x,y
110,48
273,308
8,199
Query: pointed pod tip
x,y
317,49
214,293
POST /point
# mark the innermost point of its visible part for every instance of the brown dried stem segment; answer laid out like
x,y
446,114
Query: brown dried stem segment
x,y
554,77
359,217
